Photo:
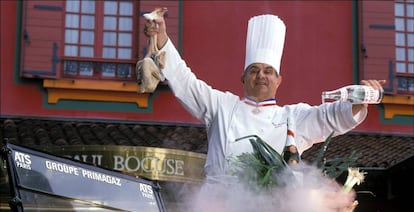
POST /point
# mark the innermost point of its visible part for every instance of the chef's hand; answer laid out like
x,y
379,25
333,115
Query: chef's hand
x,y
158,29
329,196
376,84
336,199
340,201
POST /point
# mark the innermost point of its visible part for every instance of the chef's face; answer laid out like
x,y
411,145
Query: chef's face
x,y
261,81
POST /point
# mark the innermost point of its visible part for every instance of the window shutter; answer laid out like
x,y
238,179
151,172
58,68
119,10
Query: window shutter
x,y
42,31
377,40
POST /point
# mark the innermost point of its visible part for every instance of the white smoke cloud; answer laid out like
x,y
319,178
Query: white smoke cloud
x,y
314,193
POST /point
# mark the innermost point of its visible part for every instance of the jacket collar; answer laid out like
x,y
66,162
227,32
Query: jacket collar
x,y
252,102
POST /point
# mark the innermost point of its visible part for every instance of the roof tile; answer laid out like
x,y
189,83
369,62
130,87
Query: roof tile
x,y
382,151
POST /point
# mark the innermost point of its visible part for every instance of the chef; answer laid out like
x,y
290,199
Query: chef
x,y
229,117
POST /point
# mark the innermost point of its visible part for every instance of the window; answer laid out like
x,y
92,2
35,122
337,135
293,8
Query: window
x,y
98,40
90,48
404,45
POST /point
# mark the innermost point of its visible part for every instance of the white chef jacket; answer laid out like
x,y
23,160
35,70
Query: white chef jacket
x,y
229,117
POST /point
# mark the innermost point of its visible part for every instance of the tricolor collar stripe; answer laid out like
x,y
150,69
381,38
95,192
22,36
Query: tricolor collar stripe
x,y
269,102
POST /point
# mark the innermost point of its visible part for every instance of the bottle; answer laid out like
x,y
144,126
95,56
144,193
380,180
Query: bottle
x,y
356,94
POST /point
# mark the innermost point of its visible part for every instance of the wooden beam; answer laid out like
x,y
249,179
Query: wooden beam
x,y
93,90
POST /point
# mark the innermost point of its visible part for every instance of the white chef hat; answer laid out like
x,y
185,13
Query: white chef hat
x,y
265,40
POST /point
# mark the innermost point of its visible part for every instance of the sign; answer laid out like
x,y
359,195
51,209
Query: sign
x,y
150,162
48,182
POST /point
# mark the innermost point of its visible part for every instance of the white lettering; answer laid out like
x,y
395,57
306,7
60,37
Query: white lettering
x,y
22,160
23,166
84,158
119,163
21,157
179,167
146,166
101,177
134,160
170,166
97,159
61,167
94,159
149,164
146,191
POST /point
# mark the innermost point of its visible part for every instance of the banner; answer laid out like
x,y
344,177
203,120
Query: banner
x,y
149,162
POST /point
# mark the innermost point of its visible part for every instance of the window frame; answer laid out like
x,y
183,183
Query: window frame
x,y
97,60
403,46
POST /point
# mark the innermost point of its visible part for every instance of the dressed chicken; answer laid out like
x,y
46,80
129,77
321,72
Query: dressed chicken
x,y
148,70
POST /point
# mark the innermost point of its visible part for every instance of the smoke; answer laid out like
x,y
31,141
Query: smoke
x,y
309,190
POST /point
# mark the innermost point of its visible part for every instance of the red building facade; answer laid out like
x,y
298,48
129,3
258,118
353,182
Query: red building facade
x,y
328,45
75,62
